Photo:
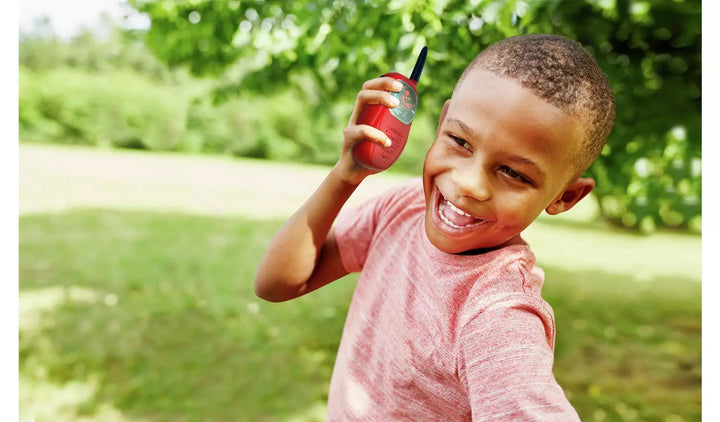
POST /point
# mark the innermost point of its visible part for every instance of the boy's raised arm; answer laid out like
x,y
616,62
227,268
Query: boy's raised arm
x,y
303,255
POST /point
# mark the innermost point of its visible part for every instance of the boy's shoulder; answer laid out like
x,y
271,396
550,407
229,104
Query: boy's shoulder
x,y
405,195
408,190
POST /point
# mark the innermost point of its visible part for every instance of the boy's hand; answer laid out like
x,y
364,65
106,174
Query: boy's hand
x,y
374,91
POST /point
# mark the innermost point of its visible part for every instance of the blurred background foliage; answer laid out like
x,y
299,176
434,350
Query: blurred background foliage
x,y
128,315
276,80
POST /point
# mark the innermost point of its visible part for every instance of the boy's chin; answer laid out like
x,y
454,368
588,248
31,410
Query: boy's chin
x,y
468,247
455,247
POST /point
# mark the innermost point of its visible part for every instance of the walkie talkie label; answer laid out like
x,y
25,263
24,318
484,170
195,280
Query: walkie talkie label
x,y
405,111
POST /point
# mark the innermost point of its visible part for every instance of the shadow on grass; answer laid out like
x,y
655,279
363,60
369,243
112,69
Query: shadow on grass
x,y
157,313
627,350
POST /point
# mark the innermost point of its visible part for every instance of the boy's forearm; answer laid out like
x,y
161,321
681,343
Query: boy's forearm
x,y
302,256
292,255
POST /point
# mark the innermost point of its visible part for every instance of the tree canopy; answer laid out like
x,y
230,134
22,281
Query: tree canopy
x,y
648,175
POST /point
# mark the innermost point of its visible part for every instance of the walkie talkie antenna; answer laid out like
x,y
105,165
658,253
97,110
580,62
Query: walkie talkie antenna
x,y
417,70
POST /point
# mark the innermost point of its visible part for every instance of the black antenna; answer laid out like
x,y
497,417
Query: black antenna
x,y
417,70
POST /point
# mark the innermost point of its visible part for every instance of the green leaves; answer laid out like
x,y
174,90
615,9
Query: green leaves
x,y
325,50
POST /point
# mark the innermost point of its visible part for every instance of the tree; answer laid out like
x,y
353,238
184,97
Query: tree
x,y
649,174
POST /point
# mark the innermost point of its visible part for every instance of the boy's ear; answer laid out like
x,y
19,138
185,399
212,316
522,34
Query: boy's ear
x,y
572,194
442,116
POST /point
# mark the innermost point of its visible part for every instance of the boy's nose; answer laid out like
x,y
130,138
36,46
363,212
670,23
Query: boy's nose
x,y
472,182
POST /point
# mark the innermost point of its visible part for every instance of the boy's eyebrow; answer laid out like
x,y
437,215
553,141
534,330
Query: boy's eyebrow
x,y
462,125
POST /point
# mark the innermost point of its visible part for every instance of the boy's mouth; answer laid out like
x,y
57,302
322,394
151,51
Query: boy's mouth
x,y
454,216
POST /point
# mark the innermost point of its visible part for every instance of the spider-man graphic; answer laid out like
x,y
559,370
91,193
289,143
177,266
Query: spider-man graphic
x,y
408,101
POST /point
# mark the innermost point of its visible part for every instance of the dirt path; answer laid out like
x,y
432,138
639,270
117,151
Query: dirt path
x,y
55,178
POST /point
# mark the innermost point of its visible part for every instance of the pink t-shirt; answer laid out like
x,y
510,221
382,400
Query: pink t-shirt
x,y
432,336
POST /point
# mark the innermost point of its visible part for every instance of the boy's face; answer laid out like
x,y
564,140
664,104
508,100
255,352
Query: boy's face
x,y
501,156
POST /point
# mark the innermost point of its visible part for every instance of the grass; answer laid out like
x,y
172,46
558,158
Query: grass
x,y
154,316
627,350
149,315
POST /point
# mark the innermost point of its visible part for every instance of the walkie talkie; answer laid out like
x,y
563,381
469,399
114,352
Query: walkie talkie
x,y
394,122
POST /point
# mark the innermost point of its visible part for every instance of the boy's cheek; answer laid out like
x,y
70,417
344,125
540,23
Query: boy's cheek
x,y
435,159
430,164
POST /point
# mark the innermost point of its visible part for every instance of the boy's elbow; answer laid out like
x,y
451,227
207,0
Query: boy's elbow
x,y
263,291
268,295
273,291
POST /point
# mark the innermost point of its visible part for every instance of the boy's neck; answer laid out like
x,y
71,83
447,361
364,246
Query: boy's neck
x,y
517,240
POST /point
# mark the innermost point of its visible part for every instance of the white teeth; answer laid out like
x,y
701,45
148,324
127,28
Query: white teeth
x,y
445,205
457,210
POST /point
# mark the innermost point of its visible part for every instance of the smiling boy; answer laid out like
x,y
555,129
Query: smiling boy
x,y
447,321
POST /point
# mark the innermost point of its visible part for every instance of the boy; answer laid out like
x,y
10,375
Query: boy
x,y
447,322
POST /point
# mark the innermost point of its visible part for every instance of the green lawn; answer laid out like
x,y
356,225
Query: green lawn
x,y
153,317
137,315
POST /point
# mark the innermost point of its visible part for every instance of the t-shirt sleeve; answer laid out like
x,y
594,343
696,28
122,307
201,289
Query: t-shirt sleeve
x,y
505,362
356,227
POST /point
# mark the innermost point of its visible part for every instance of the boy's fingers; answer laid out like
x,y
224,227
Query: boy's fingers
x,y
377,97
383,83
376,91
372,97
366,133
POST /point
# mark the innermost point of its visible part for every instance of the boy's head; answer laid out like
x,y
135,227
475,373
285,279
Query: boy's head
x,y
561,72
526,119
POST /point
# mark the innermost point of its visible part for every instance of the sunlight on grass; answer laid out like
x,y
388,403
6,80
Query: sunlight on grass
x,y
595,246
314,413
142,315
165,325
34,303
47,401
41,398
166,320
59,178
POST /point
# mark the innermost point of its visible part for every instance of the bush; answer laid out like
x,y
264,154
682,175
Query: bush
x,y
119,109
129,110
650,51
245,127
281,127
664,189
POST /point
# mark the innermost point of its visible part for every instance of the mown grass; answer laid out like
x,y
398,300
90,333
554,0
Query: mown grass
x,y
627,350
151,316
155,314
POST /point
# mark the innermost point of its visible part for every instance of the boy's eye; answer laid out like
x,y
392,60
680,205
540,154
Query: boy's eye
x,y
461,142
515,175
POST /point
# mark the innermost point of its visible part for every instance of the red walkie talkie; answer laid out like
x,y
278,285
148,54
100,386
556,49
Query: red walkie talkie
x,y
394,122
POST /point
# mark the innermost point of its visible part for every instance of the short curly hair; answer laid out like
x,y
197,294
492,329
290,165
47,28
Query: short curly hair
x,y
561,72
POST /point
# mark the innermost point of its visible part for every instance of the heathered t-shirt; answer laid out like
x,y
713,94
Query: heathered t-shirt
x,y
432,336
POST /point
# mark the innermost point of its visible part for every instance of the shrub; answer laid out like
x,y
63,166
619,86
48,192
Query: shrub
x,y
119,108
